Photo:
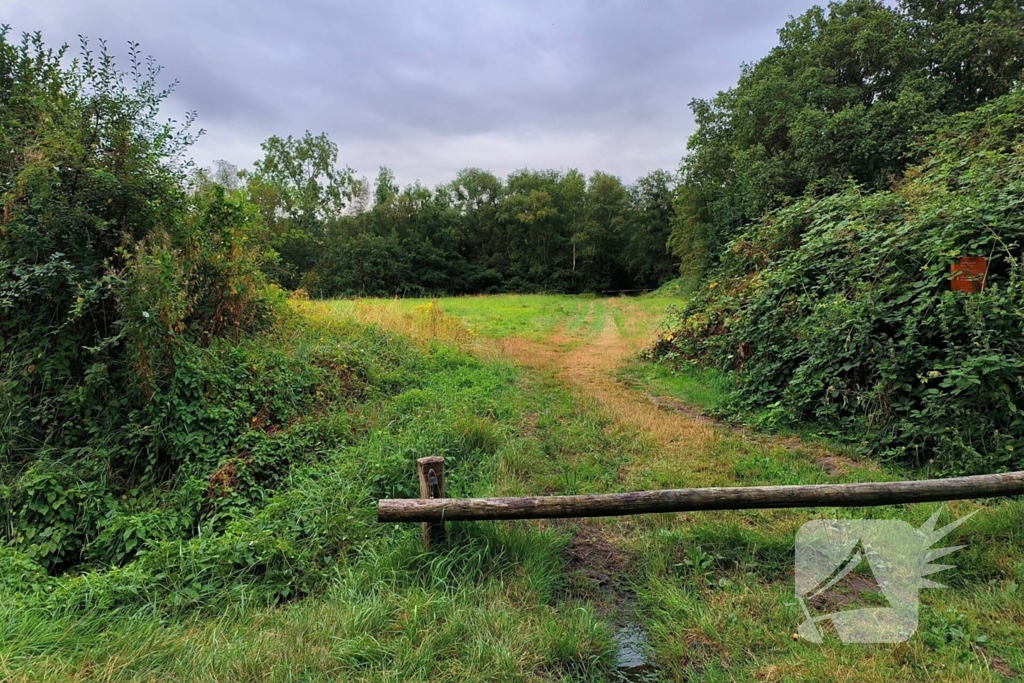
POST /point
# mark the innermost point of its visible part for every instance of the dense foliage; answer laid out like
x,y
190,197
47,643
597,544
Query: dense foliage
x,y
839,309
535,231
283,441
843,96
825,197
114,275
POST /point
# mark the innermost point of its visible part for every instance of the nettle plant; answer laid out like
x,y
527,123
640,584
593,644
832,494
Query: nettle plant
x,y
839,310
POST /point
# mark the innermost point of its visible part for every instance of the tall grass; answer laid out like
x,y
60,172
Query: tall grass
x,y
424,321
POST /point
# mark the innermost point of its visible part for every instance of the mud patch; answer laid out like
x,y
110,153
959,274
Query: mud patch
x,y
592,556
996,663
851,589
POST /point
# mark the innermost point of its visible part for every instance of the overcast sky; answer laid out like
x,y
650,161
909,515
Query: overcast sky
x,y
429,87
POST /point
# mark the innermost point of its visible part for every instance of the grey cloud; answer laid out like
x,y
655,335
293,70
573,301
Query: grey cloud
x,y
430,87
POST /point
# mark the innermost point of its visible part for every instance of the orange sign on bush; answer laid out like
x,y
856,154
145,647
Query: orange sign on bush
x,y
969,274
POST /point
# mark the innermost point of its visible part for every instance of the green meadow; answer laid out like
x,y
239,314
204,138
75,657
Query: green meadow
x,y
327,593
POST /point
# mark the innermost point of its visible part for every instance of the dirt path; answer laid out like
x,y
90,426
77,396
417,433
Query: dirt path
x,y
686,440
588,365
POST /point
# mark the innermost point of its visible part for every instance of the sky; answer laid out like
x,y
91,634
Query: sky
x,y
428,87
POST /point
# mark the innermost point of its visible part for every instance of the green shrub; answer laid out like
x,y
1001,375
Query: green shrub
x,y
115,277
839,310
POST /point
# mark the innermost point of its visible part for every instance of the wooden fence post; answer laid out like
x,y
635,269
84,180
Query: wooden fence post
x,y
431,474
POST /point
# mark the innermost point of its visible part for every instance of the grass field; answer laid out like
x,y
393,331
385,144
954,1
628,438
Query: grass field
x,y
530,316
543,395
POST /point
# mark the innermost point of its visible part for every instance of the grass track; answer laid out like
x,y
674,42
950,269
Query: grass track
x,y
708,587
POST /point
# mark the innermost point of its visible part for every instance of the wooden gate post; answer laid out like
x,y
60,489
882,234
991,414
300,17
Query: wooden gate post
x,y
431,473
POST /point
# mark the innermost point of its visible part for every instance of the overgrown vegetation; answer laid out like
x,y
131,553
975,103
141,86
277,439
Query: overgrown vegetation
x,y
846,95
835,308
118,285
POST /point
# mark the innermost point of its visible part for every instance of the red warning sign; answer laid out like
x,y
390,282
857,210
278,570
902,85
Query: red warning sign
x,y
969,274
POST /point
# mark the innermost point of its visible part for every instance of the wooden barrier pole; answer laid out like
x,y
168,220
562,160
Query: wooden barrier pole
x,y
431,474
686,500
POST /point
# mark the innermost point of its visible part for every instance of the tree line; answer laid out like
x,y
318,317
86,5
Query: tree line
x,y
330,233
850,93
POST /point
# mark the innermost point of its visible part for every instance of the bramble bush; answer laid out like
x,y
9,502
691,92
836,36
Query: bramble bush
x,y
839,311
115,276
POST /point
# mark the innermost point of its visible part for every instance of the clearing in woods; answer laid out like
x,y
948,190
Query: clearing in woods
x,y
522,395
712,592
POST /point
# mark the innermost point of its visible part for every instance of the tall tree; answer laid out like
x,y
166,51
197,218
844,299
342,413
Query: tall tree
x,y
298,188
600,241
845,95
385,189
533,229
645,251
573,198
475,196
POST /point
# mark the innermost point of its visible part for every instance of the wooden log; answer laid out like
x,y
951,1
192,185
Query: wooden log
x,y
687,500
431,475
